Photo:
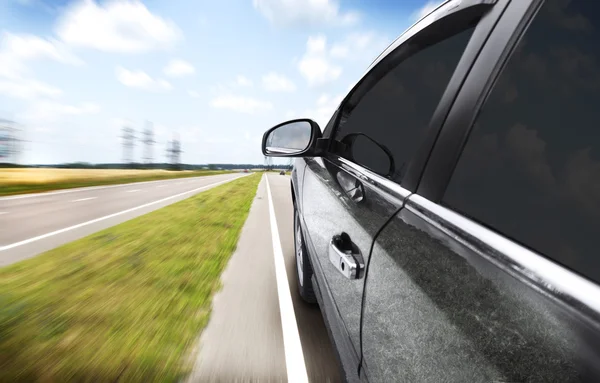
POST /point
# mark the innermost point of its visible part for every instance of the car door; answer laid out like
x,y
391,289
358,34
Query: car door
x,y
349,193
490,272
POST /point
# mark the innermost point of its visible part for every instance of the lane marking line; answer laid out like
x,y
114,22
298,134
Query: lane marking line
x,y
294,357
84,199
75,190
161,186
133,191
3,212
34,239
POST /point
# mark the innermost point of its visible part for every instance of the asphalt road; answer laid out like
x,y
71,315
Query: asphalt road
x,y
251,332
33,223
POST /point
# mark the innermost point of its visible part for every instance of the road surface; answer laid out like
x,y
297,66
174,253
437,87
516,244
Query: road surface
x,y
248,337
33,223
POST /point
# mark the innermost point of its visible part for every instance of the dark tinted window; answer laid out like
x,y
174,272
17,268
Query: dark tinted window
x,y
382,132
531,167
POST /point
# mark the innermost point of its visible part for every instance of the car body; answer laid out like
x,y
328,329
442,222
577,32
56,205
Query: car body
x,y
446,218
282,173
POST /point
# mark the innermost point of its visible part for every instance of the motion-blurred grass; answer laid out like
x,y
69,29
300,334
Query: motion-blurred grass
x,y
33,180
124,304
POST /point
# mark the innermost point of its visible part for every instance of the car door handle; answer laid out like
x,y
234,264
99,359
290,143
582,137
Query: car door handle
x,y
346,256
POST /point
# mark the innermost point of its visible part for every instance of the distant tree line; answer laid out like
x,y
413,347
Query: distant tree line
x,y
135,165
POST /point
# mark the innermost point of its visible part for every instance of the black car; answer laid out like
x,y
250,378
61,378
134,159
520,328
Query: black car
x,y
282,173
446,218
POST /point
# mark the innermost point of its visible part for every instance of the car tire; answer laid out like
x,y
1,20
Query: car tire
x,y
304,270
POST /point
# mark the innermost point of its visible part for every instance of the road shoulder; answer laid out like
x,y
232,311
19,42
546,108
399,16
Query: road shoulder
x,y
243,339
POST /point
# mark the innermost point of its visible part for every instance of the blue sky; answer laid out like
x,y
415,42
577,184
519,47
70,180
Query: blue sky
x,y
215,73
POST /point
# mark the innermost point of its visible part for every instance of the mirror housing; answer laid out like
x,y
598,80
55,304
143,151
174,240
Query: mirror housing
x,y
302,127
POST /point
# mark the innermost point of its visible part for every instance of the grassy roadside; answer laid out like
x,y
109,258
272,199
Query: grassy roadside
x,y
126,303
22,187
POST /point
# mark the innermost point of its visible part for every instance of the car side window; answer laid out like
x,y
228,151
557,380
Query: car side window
x,y
383,130
531,166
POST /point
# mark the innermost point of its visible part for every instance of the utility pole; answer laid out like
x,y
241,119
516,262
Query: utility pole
x,y
148,140
128,143
174,153
168,153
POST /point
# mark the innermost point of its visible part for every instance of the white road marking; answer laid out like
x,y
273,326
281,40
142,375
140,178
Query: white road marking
x,y
84,199
34,239
3,212
133,191
294,357
75,190
161,186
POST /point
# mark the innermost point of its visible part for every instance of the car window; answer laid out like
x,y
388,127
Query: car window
x,y
383,131
531,166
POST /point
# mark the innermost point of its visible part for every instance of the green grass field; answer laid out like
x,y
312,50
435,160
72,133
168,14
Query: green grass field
x,y
124,304
35,180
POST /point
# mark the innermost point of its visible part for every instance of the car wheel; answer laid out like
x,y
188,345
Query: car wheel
x,y
303,267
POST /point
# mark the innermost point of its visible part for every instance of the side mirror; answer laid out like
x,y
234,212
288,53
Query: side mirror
x,y
295,138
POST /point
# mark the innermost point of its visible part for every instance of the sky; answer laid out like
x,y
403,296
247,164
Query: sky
x,y
215,74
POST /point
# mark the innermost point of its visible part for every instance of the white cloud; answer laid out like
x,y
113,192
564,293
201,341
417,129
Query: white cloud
x,y
305,12
274,82
141,80
319,64
178,68
193,94
243,81
326,106
49,111
240,104
27,89
116,26
321,112
315,65
426,9
17,49
359,44
31,47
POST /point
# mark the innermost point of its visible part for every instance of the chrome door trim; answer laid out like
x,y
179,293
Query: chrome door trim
x,y
551,279
371,178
